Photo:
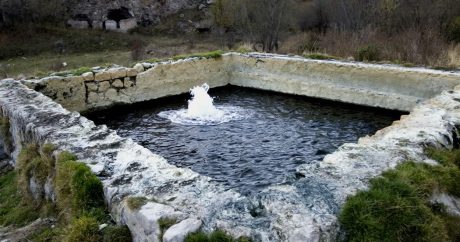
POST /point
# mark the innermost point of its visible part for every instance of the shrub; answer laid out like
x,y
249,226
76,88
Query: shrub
x,y
83,229
453,29
368,53
116,234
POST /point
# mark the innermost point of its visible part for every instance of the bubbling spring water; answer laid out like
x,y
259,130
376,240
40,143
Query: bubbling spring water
x,y
201,110
246,139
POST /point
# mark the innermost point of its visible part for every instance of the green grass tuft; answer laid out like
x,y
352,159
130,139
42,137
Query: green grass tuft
x,y
135,203
83,229
209,55
116,234
5,134
319,56
397,206
13,210
215,236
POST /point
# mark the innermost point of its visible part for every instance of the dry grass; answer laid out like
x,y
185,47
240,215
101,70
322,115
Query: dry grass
x,y
453,55
425,48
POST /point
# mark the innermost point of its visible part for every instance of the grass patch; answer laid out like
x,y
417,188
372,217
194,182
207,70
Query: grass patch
x,y
78,190
208,55
83,229
397,206
165,224
33,163
135,203
319,56
79,196
13,209
116,234
5,133
215,236
74,72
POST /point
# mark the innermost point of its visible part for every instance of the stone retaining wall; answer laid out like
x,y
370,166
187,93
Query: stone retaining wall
x,y
373,85
280,212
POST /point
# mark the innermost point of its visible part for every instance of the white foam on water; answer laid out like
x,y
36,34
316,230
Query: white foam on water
x,y
201,110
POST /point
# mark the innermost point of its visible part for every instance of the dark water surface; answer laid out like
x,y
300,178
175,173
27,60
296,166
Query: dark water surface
x,y
283,132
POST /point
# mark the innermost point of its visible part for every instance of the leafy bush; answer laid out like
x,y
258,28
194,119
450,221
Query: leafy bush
x,y
368,53
116,234
83,229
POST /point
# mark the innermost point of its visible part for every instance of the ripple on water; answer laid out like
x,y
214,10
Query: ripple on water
x,y
259,141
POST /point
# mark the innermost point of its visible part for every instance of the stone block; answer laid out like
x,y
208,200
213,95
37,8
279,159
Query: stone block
x,y
102,76
139,67
104,86
177,232
111,25
77,24
111,94
92,87
132,71
97,24
88,76
127,24
117,83
116,73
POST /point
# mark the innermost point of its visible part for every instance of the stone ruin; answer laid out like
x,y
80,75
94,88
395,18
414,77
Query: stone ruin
x,y
119,20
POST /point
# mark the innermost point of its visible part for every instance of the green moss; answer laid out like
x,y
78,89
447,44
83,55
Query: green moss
x,y
397,206
83,229
319,56
135,203
215,236
116,234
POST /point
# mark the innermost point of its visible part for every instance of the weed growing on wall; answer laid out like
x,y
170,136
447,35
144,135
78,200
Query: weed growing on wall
x,y
215,236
